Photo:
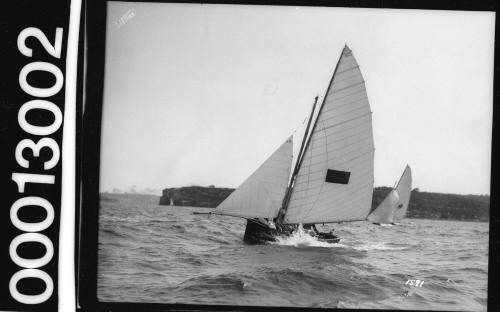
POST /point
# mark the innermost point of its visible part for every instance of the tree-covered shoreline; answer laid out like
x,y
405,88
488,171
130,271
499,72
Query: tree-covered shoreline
x,y
428,205
423,205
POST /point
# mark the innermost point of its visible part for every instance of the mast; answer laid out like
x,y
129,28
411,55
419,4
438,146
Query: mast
x,y
286,200
282,211
304,139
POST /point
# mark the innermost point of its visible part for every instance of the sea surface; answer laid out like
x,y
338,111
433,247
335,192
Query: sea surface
x,y
163,254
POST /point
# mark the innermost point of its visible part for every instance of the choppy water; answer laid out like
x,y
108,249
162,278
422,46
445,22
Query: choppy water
x,y
151,253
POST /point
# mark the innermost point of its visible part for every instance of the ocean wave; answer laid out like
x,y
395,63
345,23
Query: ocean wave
x,y
149,253
475,270
306,279
377,246
220,282
115,234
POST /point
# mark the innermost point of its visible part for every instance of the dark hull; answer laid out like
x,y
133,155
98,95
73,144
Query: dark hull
x,y
327,237
257,232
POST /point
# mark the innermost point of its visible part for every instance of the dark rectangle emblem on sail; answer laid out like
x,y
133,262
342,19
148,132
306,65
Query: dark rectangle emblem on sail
x,y
335,176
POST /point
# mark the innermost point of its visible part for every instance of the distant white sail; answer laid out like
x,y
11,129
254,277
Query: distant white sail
x,y
384,213
404,191
335,179
261,194
393,208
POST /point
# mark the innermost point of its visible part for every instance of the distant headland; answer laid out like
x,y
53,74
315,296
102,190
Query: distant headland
x,y
423,205
195,196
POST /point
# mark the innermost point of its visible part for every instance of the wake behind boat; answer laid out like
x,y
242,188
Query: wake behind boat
x,y
332,178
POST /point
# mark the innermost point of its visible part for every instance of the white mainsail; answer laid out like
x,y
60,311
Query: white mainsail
x,y
261,194
384,213
404,191
335,179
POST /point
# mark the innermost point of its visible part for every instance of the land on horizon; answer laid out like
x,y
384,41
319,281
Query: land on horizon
x,y
423,205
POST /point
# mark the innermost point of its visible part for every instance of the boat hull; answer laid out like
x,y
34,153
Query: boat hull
x,y
257,232
327,237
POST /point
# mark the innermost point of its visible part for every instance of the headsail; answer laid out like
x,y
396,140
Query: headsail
x,y
260,195
334,181
404,191
384,213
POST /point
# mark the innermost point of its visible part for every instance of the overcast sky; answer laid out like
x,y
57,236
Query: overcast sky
x,y
203,94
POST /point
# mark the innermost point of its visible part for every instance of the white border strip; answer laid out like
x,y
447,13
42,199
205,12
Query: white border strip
x,y
66,278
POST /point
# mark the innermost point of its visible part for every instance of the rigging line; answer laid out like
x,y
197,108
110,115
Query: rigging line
x,y
323,184
360,140
401,178
309,174
286,198
345,104
346,95
349,86
346,121
356,108
346,153
346,70
232,215
344,78
340,140
341,132
299,126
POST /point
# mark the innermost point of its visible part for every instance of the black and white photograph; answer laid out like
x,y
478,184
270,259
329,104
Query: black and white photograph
x,y
295,156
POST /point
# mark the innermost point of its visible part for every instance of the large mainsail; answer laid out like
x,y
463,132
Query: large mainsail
x,y
384,213
404,191
334,181
261,194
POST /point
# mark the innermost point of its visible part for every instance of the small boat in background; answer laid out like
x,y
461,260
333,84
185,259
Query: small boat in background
x,y
395,205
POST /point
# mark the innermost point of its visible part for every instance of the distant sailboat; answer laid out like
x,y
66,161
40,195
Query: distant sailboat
x,y
404,191
393,208
332,179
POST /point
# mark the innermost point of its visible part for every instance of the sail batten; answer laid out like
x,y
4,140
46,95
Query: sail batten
x,y
341,196
340,138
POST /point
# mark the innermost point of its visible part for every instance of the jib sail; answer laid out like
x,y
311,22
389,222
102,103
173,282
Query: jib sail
x,y
261,194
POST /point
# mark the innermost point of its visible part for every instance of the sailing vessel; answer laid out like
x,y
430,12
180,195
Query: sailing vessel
x,y
394,206
404,191
332,178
